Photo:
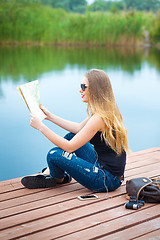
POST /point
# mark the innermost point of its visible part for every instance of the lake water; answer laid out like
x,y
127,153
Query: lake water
x,y
135,77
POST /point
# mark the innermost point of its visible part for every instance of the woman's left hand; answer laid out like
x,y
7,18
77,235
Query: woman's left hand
x,y
35,122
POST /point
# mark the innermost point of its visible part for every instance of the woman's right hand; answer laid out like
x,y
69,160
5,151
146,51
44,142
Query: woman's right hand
x,y
46,112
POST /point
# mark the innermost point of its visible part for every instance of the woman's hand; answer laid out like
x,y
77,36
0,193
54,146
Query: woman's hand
x,y
35,122
46,112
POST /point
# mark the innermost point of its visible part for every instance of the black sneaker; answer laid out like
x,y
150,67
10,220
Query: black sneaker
x,y
38,181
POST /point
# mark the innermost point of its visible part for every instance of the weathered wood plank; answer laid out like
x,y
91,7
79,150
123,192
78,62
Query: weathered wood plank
x,y
51,210
141,162
108,227
34,195
144,152
142,169
48,199
92,215
57,213
137,231
72,197
155,235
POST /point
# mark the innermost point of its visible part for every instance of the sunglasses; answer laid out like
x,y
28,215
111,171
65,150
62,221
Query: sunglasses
x,y
83,87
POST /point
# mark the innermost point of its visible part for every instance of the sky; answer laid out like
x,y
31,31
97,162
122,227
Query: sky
x,y
91,1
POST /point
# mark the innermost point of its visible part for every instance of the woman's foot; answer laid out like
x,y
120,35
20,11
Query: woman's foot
x,y
67,178
39,181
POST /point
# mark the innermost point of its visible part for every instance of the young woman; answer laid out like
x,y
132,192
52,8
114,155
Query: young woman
x,y
94,151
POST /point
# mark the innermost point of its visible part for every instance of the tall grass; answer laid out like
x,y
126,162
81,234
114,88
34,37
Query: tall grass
x,y
32,23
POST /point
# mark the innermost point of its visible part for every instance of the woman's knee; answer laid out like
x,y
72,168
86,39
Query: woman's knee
x,y
53,154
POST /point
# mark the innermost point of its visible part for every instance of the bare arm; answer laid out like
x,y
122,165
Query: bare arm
x,y
68,125
94,124
65,124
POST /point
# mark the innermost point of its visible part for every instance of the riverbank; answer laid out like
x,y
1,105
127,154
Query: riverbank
x,y
125,43
32,24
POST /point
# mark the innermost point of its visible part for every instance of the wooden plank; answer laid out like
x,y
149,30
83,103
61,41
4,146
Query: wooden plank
x,y
48,199
42,203
137,231
42,194
50,193
149,174
32,202
23,192
151,155
142,169
105,227
92,214
51,210
141,162
155,235
10,187
57,213
144,152
10,181
35,195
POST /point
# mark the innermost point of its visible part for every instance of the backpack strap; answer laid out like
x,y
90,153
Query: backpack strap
x,y
148,182
156,182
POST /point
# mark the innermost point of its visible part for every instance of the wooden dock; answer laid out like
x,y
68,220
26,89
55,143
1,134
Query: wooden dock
x,y
58,214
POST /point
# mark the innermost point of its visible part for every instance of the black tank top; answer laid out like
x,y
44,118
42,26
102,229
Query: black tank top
x,y
107,157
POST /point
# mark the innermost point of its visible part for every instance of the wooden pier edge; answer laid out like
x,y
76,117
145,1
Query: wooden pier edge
x,y
56,213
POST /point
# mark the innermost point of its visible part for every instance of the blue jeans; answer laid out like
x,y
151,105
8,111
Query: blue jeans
x,y
83,166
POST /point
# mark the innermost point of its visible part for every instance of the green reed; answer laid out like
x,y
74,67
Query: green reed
x,y
38,24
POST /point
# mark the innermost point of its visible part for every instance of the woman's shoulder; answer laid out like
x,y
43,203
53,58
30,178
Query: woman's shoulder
x,y
96,117
99,121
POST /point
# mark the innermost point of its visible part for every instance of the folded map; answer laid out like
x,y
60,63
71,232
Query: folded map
x,y
31,96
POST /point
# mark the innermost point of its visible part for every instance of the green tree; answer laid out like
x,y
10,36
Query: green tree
x,y
57,4
116,6
142,4
68,5
98,5
102,5
74,5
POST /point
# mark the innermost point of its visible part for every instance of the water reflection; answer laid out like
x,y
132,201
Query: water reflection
x,y
134,74
30,62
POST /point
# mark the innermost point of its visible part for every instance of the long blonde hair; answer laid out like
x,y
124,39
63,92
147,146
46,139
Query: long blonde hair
x,y
102,102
